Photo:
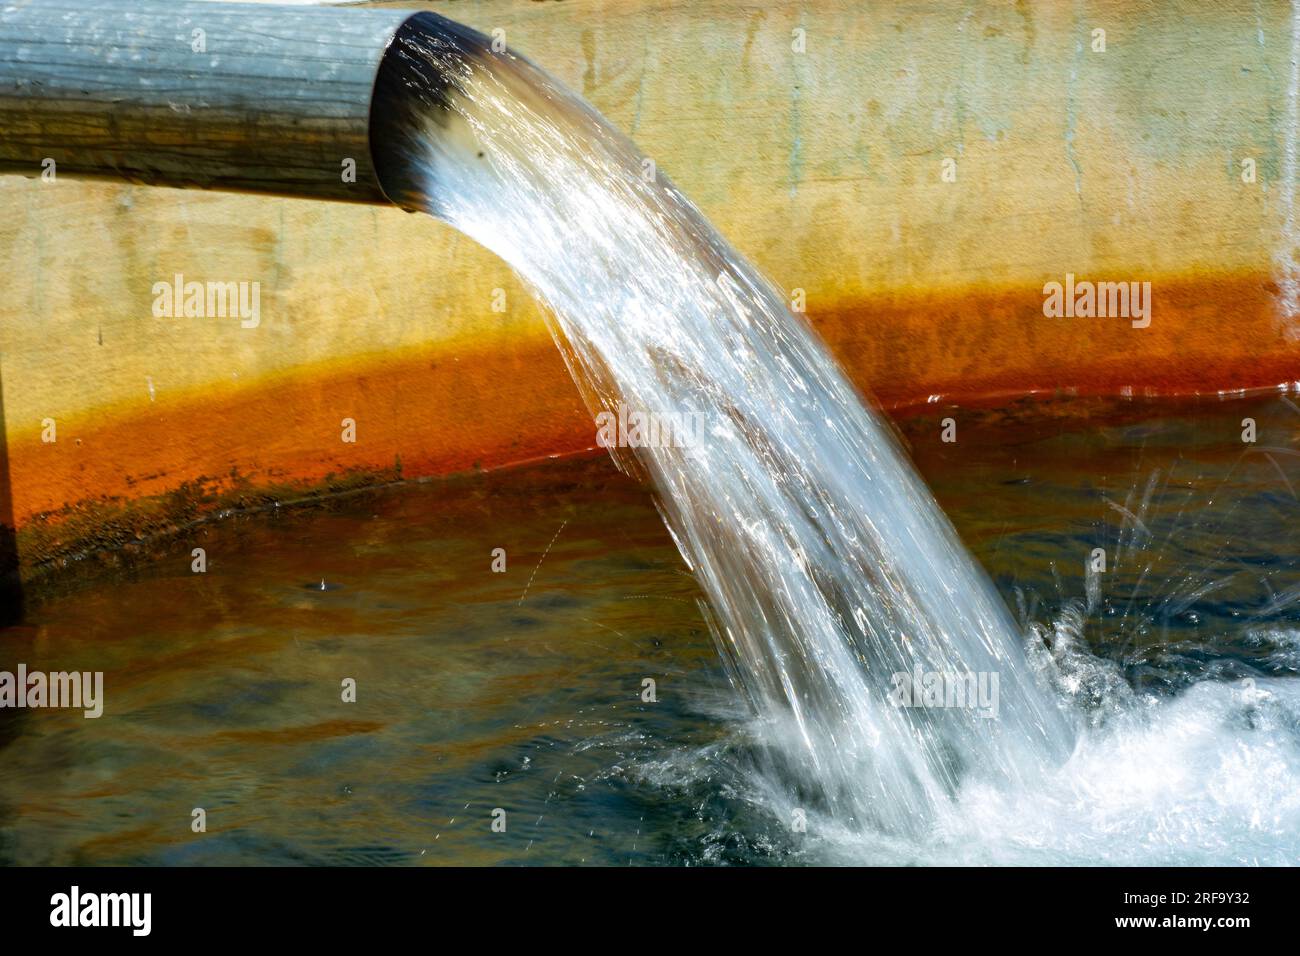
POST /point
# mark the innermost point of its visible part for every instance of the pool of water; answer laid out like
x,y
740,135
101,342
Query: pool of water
x,y
524,690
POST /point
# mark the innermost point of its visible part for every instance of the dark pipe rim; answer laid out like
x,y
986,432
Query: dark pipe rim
x,y
409,87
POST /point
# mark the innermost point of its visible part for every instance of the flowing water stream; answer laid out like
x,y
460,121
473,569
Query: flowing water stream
x,y
828,567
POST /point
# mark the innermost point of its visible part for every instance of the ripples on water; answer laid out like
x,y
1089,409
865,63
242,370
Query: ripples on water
x,y
222,688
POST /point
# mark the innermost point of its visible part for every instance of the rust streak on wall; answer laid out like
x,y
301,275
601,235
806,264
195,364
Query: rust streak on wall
x,y
442,411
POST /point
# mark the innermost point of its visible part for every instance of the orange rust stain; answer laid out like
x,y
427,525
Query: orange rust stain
x,y
457,408
1208,333
438,413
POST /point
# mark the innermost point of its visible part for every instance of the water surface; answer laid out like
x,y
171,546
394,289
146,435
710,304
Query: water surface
x,y
522,690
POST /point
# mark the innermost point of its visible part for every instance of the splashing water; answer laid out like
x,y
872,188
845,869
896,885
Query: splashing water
x,y
828,566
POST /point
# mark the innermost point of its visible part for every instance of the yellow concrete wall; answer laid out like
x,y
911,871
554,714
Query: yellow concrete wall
x,y
824,166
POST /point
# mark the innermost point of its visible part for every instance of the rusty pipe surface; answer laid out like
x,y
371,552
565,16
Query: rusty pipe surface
x,y
230,96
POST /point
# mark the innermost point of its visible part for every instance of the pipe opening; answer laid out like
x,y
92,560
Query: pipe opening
x,y
418,76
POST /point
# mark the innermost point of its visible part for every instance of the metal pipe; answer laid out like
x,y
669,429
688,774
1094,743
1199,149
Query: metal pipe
x,y
232,96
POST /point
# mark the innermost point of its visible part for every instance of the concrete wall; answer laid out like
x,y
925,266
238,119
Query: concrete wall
x,y
825,166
